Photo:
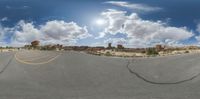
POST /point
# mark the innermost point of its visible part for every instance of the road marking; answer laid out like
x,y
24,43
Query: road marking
x,y
36,58
40,63
36,54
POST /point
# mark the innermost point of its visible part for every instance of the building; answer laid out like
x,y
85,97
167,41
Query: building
x,y
35,43
159,47
119,46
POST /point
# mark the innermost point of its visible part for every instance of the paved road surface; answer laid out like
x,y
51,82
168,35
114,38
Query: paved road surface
x,y
74,75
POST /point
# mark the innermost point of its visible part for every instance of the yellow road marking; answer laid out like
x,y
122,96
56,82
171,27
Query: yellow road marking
x,y
32,56
29,63
36,58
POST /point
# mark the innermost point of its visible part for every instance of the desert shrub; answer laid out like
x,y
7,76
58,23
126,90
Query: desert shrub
x,y
143,52
186,51
108,54
151,51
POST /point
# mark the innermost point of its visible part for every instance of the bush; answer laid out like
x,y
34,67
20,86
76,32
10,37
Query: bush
x,y
151,51
143,52
108,54
186,51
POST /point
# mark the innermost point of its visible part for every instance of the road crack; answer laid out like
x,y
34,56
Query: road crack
x,y
5,67
154,82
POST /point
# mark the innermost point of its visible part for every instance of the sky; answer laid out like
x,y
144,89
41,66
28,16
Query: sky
x,y
133,23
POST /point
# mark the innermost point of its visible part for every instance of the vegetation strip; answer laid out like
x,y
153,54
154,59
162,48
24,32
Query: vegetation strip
x,y
154,82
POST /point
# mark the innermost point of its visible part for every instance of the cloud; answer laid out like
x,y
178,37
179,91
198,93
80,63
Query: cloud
x,y
134,6
115,19
2,32
116,41
24,33
17,7
197,38
63,33
52,32
142,32
60,30
4,19
198,28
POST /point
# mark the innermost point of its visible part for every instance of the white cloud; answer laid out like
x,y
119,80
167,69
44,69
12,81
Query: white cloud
x,y
2,33
115,19
142,32
116,41
60,30
52,32
17,7
26,32
63,32
4,19
134,6
198,28
197,38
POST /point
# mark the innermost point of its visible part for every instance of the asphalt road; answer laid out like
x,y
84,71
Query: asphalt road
x,y
74,75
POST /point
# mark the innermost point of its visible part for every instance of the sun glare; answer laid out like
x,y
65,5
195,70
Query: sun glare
x,y
100,22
